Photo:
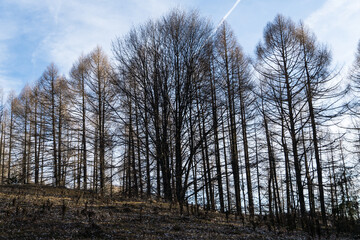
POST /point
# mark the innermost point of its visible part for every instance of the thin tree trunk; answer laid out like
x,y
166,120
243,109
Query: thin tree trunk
x,y
59,165
294,142
226,170
52,92
78,163
96,157
24,157
270,156
212,200
10,140
138,147
246,153
217,148
83,137
206,181
28,156
36,137
258,173
147,150
1,151
309,95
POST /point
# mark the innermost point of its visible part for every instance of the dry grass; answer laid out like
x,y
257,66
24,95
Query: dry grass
x,y
33,212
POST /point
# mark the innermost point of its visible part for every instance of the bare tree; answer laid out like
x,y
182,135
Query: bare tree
x,y
278,59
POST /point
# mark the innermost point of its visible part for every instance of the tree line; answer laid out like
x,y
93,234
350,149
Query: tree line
x,y
182,113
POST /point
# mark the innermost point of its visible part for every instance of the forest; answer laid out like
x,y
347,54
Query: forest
x,y
180,113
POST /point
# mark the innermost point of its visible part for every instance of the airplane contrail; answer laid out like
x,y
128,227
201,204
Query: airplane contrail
x,y
219,25
227,14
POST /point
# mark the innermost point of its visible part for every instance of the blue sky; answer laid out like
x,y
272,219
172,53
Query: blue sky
x,y
34,33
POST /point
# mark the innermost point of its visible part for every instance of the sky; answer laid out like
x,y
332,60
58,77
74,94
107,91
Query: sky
x,y
35,33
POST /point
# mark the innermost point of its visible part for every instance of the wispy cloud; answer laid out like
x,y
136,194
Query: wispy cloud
x,y
74,27
337,24
6,34
8,84
34,33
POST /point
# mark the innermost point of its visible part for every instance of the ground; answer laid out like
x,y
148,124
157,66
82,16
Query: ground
x,y
33,212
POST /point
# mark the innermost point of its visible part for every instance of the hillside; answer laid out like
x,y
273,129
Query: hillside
x,y
33,212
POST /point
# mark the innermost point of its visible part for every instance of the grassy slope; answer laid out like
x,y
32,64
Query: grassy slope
x,y
31,212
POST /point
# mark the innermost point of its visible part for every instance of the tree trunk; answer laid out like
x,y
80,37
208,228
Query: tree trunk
x,y
216,142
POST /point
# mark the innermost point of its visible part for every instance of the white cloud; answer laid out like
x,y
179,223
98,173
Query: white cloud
x,y
8,32
337,24
78,27
4,54
35,33
8,84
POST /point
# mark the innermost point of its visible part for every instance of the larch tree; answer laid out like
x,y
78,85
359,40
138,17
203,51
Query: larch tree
x,y
100,98
278,59
226,45
47,83
79,75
